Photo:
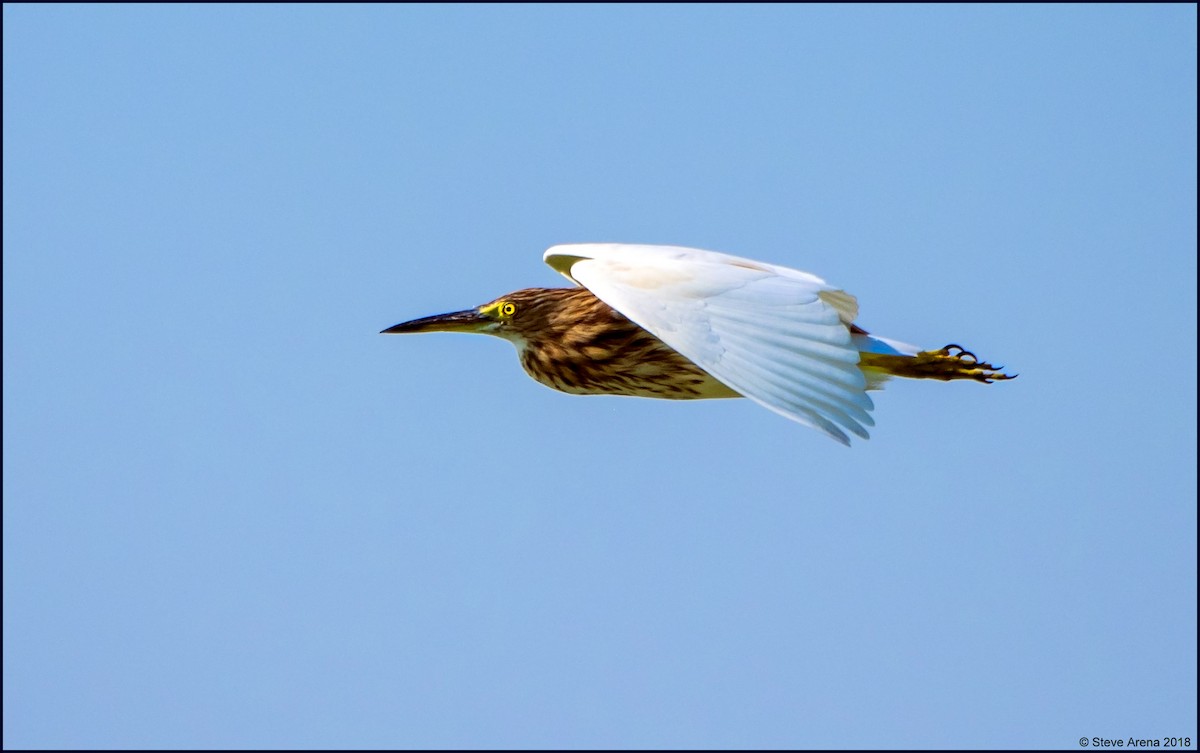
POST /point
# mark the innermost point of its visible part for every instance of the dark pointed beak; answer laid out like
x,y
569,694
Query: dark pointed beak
x,y
460,321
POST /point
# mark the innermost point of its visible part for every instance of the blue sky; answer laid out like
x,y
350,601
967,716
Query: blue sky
x,y
235,515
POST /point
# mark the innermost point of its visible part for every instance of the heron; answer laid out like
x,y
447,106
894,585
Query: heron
x,y
683,324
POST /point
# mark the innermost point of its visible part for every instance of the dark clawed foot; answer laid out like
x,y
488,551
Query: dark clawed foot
x,y
962,355
969,366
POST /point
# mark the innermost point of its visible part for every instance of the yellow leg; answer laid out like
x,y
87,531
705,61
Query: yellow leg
x,y
944,364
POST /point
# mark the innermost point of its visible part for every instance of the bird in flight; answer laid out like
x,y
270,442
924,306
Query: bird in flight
x,y
683,324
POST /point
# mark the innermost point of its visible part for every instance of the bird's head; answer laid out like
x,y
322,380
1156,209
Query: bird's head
x,y
522,316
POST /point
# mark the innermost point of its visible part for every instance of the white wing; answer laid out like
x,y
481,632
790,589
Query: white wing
x,y
776,335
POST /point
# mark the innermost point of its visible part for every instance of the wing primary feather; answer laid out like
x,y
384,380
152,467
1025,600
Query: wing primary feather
x,y
749,381
841,372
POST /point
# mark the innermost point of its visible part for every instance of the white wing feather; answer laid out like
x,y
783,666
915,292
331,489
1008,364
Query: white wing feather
x,y
776,335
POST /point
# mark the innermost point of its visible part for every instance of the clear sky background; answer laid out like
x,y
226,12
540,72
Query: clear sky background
x,y
235,515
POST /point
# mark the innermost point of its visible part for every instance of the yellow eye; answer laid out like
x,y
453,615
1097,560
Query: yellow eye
x,y
507,309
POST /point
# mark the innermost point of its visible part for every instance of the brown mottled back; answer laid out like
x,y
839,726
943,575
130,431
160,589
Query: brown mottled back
x,y
572,341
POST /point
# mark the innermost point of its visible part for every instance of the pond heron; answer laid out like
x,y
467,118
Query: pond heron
x,y
681,323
